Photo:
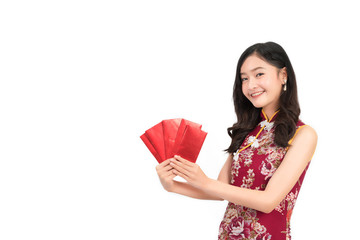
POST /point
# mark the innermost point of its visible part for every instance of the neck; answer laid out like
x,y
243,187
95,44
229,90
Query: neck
x,y
270,111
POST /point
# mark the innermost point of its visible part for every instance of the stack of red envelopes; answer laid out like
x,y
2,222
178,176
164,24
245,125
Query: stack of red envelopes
x,y
174,137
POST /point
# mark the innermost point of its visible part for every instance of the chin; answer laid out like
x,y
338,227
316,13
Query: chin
x,y
257,105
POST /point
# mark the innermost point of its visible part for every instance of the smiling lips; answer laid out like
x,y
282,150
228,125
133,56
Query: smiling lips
x,y
256,94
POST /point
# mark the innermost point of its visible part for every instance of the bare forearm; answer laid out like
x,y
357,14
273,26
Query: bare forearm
x,y
190,191
255,199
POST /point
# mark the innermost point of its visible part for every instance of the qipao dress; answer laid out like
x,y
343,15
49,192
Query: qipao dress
x,y
253,166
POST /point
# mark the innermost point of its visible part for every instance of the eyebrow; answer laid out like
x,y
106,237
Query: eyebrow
x,y
254,70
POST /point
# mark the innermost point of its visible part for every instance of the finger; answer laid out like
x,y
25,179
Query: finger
x,y
168,167
179,168
180,174
163,164
183,160
167,174
170,174
165,170
181,164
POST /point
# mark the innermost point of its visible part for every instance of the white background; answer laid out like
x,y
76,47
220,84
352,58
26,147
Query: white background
x,y
82,80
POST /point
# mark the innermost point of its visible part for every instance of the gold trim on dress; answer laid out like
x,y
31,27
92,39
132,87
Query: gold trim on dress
x,y
267,119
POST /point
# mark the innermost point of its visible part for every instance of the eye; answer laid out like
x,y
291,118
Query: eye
x,y
259,74
243,79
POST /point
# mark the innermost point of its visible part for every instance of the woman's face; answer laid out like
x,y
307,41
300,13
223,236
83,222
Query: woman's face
x,y
262,82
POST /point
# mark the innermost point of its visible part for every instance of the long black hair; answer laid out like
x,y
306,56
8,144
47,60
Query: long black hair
x,y
248,116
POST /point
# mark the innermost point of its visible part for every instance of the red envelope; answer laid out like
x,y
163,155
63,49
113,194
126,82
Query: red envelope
x,y
191,143
156,137
181,131
151,148
174,137
170,129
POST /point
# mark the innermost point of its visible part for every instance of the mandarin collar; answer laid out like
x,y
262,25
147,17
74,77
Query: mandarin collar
x,y
264,117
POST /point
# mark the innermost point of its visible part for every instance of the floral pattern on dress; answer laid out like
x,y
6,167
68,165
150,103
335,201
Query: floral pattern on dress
x,y
246,158
252,168
249,179
271,162
242,223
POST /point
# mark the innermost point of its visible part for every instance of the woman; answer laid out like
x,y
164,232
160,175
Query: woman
x,y
269,154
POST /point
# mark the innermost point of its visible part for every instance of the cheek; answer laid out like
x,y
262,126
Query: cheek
x,y
244,89
272,87
270,83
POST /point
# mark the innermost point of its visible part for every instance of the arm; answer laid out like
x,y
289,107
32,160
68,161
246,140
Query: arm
x,y
186,189
166,175
283,180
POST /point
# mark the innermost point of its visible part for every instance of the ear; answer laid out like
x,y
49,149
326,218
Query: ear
x,y
283,75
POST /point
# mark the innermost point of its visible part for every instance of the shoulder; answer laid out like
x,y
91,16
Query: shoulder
x,y
305,140
306,132
302,146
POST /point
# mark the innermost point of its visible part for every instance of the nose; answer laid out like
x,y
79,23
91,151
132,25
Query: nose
x,y
252,83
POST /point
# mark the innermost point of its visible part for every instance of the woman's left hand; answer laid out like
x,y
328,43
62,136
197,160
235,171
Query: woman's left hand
x,y
191,172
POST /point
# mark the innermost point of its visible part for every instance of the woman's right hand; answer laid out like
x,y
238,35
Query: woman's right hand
x,y
166,175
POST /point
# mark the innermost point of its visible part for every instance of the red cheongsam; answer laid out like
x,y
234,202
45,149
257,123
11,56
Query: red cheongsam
x,y
253,165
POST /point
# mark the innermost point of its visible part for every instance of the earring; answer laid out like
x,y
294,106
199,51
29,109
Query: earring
x,y
285,86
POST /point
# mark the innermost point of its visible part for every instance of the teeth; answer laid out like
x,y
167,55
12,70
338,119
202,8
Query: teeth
x,y
256,94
